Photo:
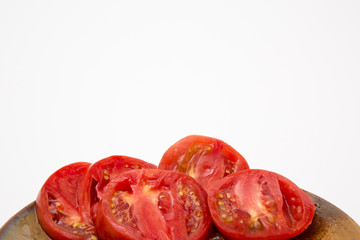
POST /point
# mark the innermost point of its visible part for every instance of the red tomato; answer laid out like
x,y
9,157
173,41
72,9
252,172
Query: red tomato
x,y
153,204
204,158
258,204
56,206
98,176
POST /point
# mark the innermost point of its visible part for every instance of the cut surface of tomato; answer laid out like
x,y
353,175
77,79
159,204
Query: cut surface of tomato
x,y
204,158
96,178
258,204
153,204
56,206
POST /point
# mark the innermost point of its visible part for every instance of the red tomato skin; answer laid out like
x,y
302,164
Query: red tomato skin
x,y
210,165
63,184
149,217
280,188
115,165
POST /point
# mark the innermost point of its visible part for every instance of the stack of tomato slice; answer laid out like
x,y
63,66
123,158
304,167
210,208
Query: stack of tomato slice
x,y
202,189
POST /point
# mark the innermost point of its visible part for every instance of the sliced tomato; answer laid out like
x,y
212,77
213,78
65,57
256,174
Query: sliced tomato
x,y
258,204
204,158
97,176
153,204
56,206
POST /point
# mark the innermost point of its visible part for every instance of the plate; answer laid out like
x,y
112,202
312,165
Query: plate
x,y
329,223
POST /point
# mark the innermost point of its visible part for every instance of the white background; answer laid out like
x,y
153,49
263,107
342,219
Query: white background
x,y
277,80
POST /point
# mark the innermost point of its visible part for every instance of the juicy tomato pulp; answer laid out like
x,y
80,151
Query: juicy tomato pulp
x,y
204,158
56,206
258,204
98,176
153,204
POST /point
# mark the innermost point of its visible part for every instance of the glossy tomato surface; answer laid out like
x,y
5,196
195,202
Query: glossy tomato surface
x,y
204,158
56,206
153,204
98,175
258,204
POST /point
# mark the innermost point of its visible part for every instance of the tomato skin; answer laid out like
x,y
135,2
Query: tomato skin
x,y
101,173
204,158
56,206
153,204
258,204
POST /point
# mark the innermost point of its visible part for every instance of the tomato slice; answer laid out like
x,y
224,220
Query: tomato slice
x,y
56,206
153,204
204,158
97,176
258,204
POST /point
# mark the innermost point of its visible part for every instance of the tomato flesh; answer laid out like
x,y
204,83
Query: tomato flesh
x,y
204,158
96,178
153,204
56,205
258,204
